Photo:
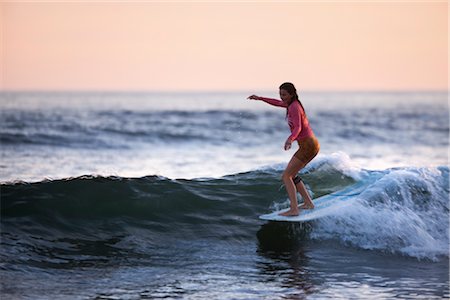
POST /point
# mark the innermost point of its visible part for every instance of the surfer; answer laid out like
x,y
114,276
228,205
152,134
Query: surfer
x,y
308,145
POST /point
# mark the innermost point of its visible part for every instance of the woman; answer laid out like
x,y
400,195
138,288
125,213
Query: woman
x,y
308,145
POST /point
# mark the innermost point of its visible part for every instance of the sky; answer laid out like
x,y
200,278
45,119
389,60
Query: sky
x,y
226,46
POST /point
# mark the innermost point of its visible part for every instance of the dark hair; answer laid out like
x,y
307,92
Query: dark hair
x,y
290,88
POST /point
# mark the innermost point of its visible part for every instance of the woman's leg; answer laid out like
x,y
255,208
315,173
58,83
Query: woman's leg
x,y
308,149
308,204
293,167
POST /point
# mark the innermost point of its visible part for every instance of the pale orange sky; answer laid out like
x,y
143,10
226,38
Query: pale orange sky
x,y
223,46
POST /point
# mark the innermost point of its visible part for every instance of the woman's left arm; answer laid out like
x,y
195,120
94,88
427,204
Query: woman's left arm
x,y
295,118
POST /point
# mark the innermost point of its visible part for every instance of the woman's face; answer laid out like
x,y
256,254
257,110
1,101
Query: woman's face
x,y
285,96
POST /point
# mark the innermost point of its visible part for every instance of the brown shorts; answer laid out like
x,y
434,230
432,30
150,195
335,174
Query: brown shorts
x,y
308,149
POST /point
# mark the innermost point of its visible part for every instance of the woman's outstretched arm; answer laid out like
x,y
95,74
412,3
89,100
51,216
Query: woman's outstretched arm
x,y
270,101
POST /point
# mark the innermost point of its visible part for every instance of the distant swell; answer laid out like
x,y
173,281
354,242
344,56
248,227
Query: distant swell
x,y
119,129
405,211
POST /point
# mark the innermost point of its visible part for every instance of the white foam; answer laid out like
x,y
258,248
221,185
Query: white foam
x,y
339,161
405,212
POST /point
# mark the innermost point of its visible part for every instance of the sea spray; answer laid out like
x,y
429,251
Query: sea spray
x,y
405,212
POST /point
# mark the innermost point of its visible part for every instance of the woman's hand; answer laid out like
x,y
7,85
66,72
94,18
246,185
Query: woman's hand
x,y
287,144
254,97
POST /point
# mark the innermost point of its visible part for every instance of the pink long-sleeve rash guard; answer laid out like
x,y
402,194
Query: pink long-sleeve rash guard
x,y
297,120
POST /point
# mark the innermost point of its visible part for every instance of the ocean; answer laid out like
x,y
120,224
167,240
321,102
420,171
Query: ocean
x,y
146,195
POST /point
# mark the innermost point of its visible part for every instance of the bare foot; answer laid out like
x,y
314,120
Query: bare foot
x,y
307,206
290,213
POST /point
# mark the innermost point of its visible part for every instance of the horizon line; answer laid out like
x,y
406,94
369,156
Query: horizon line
x,y
212,91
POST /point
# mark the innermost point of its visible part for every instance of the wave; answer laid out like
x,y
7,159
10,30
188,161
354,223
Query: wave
x,y
404,211
400,211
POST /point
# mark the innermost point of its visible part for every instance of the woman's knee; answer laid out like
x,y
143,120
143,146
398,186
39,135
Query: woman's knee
x,y
294,166
287,176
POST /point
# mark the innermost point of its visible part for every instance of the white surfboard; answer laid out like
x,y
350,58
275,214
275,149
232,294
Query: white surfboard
x,y
323,206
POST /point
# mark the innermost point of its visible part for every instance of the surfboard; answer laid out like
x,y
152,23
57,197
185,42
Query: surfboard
x,y
323,206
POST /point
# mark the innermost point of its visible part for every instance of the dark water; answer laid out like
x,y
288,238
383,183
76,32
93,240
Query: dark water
x,y
175,184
